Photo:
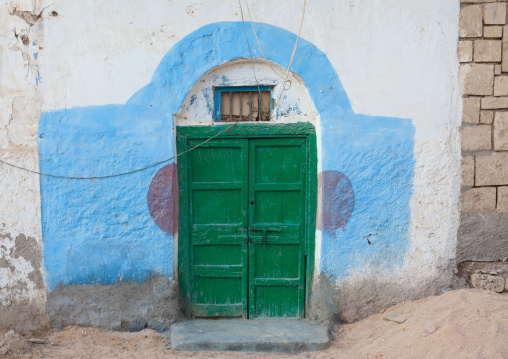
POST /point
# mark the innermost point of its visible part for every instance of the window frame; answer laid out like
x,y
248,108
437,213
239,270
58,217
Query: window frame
x,y
220,89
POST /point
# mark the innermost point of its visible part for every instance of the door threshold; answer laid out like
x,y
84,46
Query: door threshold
x,y
277,335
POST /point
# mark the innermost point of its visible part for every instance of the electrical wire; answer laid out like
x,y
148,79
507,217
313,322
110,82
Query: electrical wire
x,y
259,43
250,53
214,136
286,80
123,173
292,58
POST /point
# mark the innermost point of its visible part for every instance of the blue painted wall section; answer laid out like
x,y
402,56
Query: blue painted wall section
x,y
101,231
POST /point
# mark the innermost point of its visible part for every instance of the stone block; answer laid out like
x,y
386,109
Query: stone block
x,y
465,51
474,138
468,171
502,199
470,21
491,170
494,14
488,282
504,63
492,268
487,50
477,79
486,116
482,236
497,70
471,110
501,131
493,32
494,103
501,86
479,199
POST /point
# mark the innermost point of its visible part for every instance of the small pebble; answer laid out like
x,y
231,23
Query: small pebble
x,y
37,341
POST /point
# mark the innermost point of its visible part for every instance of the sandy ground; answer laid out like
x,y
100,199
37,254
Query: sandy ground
x,y
468,324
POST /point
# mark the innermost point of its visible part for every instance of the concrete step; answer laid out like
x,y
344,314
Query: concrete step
x,y
264,335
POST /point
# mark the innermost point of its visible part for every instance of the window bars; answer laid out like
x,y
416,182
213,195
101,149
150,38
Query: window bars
x,y
243,104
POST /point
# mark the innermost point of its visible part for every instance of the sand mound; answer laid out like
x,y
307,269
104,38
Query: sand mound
x,y
468,324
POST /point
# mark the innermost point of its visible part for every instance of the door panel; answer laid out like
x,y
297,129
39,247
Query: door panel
x,y
218,205
247,227
277,185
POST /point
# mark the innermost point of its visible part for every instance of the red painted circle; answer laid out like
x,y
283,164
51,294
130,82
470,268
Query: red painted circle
x,y
338,200
162,199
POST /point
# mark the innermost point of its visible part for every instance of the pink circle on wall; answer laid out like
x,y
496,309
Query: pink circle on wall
x,y
162,199
338,200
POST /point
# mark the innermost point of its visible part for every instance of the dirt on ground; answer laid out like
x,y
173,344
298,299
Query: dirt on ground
x,y
462,324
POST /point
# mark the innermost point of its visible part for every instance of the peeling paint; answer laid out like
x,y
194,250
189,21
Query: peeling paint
x,y
20,268
28,16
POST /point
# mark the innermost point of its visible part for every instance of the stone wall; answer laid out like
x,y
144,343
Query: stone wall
x,y
483,54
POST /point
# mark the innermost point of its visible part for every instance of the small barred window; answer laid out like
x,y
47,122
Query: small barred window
x,y
246,103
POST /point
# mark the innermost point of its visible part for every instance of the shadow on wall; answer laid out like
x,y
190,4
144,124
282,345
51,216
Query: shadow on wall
x,y
103,231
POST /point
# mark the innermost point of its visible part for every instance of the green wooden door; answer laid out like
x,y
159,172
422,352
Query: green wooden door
x,y
218,194
246,227
276,227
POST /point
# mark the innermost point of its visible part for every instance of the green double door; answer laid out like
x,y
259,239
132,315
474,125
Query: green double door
x,y
246,227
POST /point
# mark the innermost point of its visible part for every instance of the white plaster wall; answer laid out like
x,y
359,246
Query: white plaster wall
x,y
395,58
241,73
21,268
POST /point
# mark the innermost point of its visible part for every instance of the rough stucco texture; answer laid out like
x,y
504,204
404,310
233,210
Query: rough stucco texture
x,y
124,306
92,219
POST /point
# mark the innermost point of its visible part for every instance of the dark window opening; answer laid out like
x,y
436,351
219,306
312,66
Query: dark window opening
x,y
243,103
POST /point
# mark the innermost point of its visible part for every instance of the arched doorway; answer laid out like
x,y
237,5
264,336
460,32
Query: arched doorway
x,y
247,196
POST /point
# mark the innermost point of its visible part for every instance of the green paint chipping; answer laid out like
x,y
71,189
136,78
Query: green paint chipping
x,y
247,220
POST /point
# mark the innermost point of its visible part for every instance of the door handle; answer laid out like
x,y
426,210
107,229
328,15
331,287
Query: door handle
x,y
264,230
